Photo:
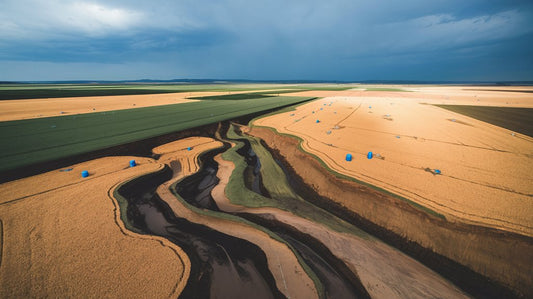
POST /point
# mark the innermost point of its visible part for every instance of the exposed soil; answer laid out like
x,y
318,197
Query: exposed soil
x,y
519,120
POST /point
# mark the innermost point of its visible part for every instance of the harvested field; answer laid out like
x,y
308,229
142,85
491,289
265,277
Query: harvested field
x,y
450,167
377,265
479,163
61,240
39,108
49,107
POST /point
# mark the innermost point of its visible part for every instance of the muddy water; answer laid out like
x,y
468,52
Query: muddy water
x,y
196,188
222,266
338,280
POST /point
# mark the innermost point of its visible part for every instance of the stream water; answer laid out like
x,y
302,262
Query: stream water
x,y
196,189
222,266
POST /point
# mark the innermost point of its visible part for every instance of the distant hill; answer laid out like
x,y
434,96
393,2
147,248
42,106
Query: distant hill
x,y
236,81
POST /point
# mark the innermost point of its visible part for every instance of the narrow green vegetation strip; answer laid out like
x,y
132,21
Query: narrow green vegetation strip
x,y
385,89
235,96
26,142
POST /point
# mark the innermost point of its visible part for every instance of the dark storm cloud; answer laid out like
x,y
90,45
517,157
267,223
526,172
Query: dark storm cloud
x,y
336,40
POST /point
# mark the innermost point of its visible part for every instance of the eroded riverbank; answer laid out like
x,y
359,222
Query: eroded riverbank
x,y
501,256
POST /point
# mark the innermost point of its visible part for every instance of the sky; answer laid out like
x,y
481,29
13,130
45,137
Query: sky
x,y
342,40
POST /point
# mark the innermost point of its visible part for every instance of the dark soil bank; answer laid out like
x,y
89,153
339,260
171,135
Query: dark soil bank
x,y
222,266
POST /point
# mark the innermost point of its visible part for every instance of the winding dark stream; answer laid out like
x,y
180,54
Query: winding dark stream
x,y
222,266
338,280
252,173
196,189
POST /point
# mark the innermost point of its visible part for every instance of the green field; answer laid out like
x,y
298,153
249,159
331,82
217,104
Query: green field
x,y
384,89
25,142
515,119
234,96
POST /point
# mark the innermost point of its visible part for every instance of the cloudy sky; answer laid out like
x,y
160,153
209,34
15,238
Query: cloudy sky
x,y
346,40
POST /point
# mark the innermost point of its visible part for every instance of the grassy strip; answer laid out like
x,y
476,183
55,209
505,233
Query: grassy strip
x,y
328,88
275,181
385,89
349,178
236,96
25,142
515,119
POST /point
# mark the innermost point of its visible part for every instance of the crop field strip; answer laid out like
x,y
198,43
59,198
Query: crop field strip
x,y
26,142
515,119
37,91
19,92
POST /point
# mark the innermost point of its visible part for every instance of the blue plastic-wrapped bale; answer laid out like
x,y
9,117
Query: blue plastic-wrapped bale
x,y
84,174
189,148
132,163
348,157
317,121
369,155
437,171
